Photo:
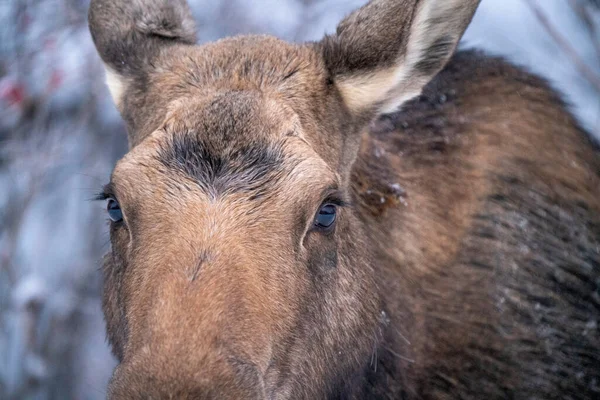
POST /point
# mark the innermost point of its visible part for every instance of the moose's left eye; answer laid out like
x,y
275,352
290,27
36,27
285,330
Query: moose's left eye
x,y
114,210
326,216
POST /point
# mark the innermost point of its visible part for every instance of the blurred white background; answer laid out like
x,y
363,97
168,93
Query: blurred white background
x,y
60,135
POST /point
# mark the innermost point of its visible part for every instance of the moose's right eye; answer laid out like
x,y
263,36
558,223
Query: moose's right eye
x,y
114,210
326,216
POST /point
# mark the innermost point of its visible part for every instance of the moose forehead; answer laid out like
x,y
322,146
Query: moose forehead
x,y
229,143
249,167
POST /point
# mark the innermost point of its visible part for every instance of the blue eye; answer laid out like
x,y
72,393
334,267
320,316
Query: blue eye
x,y
114,210
326,216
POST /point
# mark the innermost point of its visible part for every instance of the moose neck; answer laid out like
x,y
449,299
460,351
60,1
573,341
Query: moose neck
x,y
379,194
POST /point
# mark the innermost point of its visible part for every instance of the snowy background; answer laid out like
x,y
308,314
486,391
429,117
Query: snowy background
x,y
60,135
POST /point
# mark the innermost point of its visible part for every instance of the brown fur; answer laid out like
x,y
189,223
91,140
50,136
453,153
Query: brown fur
x,y
466,253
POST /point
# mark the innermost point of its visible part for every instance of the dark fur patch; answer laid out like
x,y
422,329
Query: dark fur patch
x,y
543,254
248,168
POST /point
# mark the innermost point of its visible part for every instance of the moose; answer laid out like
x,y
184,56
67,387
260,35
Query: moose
x,y
375,215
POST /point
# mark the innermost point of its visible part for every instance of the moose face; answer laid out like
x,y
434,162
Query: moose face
x,y
236,255
239,265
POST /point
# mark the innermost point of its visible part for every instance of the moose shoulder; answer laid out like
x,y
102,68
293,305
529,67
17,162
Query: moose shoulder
x,y
274,237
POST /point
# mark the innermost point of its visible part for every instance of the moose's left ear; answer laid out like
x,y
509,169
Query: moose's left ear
x,y
384,53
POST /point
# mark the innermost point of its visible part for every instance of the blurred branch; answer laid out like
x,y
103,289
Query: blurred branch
x,y
584,13
589,74
12,222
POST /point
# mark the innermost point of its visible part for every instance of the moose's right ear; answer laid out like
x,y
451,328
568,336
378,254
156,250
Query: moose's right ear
x,y
384,53
128,34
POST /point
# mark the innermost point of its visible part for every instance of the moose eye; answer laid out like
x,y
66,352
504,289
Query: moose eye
x,y
114,210
326,216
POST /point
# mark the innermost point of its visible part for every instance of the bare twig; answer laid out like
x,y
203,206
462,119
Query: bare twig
x,y
584,14
589,74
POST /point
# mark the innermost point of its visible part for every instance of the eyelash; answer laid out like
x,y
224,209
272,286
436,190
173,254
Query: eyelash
x,y
102,196
105,193
336,200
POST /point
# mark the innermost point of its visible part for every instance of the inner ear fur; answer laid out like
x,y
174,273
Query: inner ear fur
x,y
385,52
129,34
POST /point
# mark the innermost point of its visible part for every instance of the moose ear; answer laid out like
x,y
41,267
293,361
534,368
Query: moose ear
x,y
129,34
385,52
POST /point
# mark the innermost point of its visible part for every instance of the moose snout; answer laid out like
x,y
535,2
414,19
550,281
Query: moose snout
x,y
203,338
228,378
